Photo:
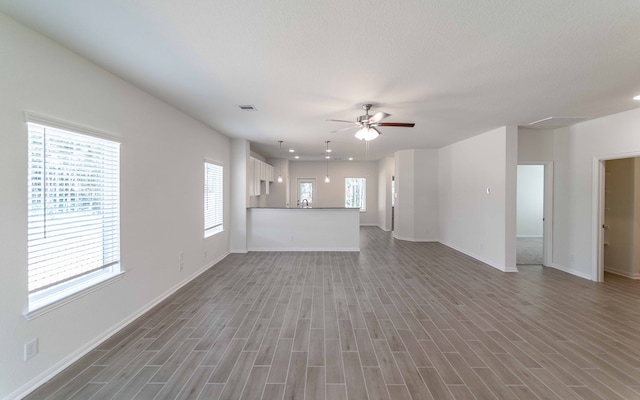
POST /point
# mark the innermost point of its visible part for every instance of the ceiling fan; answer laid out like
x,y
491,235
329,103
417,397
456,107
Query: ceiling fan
x,y
368,123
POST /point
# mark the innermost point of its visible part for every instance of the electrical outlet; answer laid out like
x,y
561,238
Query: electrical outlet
x,y
181,262
30,349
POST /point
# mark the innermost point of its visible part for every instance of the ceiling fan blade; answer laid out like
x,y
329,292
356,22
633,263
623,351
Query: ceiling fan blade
x,y
399,124
345,129
379,116
339,120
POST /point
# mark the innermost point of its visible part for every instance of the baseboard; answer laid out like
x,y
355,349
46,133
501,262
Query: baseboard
x,y
620,273
562,268
356,249
530,236
239,251
45,376
481,259
368,224
384,229
417,240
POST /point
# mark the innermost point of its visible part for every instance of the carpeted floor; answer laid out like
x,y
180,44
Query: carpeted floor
x,y
529,251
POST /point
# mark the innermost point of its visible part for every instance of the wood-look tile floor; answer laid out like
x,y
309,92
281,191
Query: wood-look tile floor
x,y
398,320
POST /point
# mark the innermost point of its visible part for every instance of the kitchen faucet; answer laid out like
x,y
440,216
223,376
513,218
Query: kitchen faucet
x,y
303,203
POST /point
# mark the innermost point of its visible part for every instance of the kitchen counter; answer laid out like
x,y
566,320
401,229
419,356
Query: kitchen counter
x,y
290,229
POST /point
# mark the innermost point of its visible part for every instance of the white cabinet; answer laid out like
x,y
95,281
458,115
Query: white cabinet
x,y
259,174
256,178
270,174
251,176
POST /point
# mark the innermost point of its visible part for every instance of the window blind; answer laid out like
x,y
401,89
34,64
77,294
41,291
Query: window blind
x,y
73,207
213,198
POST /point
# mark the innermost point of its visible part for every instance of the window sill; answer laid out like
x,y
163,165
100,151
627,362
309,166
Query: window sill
x,y
56,300
212,232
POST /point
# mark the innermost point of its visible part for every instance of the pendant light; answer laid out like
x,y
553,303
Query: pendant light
x,y
280,163
326,178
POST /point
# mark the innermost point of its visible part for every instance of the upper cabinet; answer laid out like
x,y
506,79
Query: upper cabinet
x,y
257,173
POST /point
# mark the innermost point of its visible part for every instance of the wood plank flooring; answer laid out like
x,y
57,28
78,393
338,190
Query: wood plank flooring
x,y
398,320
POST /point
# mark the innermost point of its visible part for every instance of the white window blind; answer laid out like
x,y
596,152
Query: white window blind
x,y
355,193
73,210
213,196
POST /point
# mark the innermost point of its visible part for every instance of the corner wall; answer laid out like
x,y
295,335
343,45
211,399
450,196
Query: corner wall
x,y
480,224
162,202
416,205
385,172
576,148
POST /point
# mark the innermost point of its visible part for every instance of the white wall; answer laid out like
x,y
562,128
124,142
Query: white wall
x,y
535,145
530,200
385,172
240,198
575,148
472,221
416,206
162,156
332,194
279,192
298,229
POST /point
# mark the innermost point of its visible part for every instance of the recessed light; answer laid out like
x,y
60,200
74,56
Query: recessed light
x,y
327,157
296,157
350,158
637,97
291,150
329,150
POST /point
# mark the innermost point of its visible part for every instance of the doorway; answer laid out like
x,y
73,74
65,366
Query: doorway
x,y
534,213
620,230
602,219
393,202
530,221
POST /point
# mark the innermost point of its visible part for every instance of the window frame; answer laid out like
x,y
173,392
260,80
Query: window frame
x,y
363,206
310,202
218,228
46,297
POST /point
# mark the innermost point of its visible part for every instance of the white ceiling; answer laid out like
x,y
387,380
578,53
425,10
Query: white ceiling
x,y
455,68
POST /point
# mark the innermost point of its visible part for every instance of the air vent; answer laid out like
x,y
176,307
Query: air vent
x,y
556,122
247,107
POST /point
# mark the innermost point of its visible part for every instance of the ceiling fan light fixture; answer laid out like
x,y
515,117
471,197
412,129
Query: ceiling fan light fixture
x,y
367,134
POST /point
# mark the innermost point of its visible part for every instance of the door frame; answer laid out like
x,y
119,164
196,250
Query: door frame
x,y
597,212
547,213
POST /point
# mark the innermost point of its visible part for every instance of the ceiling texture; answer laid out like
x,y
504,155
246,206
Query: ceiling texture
x,y
454,68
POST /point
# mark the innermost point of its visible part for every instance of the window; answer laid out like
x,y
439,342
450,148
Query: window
x,y
73,212
213,210
355,193
306,192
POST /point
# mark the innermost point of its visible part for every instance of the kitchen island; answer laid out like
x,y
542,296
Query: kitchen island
x,y
303,229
